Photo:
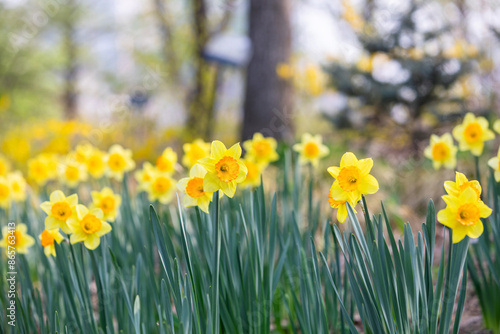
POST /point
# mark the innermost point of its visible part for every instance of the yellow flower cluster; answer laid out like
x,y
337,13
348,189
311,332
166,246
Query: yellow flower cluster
x,y
76,166
13,186
471,135
464,208
83,225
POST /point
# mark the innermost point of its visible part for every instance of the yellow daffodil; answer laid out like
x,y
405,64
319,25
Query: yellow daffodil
x,y
195,151
352,179
119,161
311,149
161,187
82,152
463,215
461,183
17,185
192,186
88,226
16,147
47,239
96,163
108,202
340,205
442,152
494,163
72,172
144,176
59,209
39,170
224,168
5,193
472,134
496,126
253,174
260,149
17,238
4,165
167,160
52,162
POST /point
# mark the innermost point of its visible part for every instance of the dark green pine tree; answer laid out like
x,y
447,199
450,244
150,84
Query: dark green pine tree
x,y
421,82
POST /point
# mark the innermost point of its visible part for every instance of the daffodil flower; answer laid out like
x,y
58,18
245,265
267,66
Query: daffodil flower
x,y
472,134
47,240
96,163
192,186
311,149
4,165
108,202
119,161
224,168
161,187
17,185
88,227
340,205
463,215
5,192
144,176
461,183
353,179
72,172
253,175
19,239
195,151
59,209
39,170
261,150
494,163
442,152
167,160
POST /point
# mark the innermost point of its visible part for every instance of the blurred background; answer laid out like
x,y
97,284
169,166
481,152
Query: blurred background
x,y
376,76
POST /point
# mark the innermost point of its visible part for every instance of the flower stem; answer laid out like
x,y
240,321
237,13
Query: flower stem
x,y
216,265
478,173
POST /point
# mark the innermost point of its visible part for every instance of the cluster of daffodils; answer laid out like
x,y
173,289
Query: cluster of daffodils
x,y
78,165
212,167
65,214
464,208
12,185
82,224
471,135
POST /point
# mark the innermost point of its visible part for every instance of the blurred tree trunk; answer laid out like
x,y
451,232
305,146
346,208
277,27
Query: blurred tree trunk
x,y
268,99
165,26
70,97
202,97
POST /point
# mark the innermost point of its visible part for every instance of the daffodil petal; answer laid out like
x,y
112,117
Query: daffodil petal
x,y
368,184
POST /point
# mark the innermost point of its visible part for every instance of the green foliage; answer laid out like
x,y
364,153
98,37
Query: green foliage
x,y
252,266
391,282
28,86
483,263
